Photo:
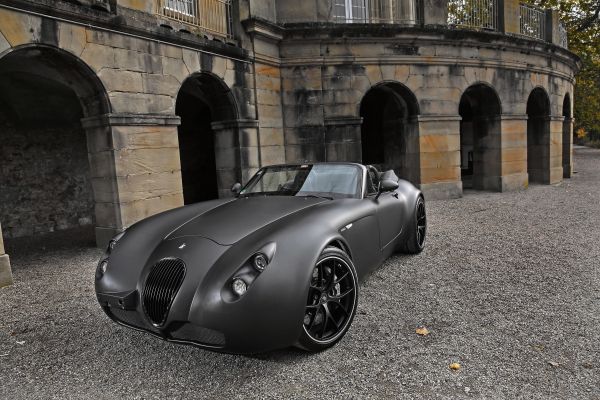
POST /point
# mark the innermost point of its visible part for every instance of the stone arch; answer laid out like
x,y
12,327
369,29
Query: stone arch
x,y
48,179
567,137
389,130
206,107
538,136
480,109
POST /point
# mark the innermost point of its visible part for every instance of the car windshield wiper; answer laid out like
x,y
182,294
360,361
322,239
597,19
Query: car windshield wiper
x,y
317,196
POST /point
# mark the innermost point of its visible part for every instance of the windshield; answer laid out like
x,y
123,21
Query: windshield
x,y
323,180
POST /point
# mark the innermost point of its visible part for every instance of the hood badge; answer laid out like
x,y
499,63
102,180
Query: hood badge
x,y
182,246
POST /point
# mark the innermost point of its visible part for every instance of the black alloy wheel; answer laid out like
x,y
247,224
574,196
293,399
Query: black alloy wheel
x,y
332,301
416,229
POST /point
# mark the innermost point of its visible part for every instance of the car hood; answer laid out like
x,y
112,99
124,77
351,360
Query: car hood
x,y
230,222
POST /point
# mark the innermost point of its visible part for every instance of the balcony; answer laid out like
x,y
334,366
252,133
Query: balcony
x,y
473,14
212,16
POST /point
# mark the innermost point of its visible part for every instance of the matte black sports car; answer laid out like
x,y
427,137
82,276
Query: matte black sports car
x,y
277,265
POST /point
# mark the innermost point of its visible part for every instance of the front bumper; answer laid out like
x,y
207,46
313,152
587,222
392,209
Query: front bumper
x,y
123,308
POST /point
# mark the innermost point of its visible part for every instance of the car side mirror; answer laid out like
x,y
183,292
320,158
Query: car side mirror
x,y
387,185
236,188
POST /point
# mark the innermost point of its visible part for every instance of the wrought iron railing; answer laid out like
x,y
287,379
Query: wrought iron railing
x,y
532,21
473,14
213,16
563,37
404,12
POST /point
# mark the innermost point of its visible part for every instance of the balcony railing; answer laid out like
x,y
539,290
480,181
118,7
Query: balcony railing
x,y
473,14
213,16
403,12
532,21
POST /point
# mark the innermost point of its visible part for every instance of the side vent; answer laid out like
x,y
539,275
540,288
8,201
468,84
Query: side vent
x,y
160,289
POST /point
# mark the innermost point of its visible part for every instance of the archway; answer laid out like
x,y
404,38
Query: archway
x,y
202,100
46,178
389,130
480,145
567,137
538,136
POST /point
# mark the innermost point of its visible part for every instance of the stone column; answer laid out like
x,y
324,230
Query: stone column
x,y
509,14
439,144
552,26
5,271
514,153
556,149
343,139
135,168
487,155
435,12
567,148
237,152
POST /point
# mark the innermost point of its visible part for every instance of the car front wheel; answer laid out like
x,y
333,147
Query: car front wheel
x,y
332,301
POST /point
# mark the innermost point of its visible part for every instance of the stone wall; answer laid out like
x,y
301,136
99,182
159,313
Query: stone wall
x,y
45,180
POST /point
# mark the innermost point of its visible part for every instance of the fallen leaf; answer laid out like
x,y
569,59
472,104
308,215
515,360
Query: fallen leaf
x,y
554,364
20,343
422,331
455,366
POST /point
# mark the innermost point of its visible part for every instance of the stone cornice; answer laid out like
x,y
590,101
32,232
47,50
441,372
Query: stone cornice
x,y
131,120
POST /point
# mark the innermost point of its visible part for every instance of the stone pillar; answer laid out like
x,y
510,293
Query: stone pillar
x,y
343,139
5,271
552,26
567,138
135,169
514,153
435,12
509,14
556,149
237,152
487,154
439,143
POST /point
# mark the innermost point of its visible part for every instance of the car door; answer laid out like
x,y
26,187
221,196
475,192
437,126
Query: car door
x,y
389,212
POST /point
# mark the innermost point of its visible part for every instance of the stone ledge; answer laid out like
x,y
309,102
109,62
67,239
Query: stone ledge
x,y
6,278
234,123
343,121
131,120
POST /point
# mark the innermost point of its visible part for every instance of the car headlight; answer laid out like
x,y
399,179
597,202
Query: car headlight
x,y
113,242
260,262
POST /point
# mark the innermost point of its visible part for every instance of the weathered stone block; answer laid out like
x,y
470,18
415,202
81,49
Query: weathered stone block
x,y
6,278
135,211
513,182
271,155
141,103
72,38
271,136
18,28
442,190
98,56
121,80
140,62
145,186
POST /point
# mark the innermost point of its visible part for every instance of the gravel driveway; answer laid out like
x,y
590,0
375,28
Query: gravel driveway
x,y
508,286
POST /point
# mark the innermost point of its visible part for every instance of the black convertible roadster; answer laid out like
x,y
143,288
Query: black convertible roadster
x,y
278,264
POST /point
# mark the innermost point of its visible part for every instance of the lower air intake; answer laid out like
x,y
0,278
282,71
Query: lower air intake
x,y
162,285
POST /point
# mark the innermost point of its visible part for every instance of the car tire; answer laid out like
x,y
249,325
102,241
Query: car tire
x,y
331,303
416,230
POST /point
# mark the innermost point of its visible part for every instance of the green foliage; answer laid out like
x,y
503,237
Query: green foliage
x,y
582,20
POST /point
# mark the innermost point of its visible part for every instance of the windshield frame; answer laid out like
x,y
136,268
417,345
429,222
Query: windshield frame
x,y
359,194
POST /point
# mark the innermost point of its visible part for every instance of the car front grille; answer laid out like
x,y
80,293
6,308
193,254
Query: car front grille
x,y
160,289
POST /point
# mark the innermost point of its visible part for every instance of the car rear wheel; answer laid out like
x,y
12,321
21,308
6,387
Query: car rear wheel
x,y
414,241
331,303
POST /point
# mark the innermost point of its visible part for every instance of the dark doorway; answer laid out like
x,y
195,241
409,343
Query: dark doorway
x,y
538,136
389,131
567,137
45,172
480,156
202,100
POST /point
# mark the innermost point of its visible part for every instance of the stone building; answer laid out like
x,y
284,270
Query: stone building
x,y
114,110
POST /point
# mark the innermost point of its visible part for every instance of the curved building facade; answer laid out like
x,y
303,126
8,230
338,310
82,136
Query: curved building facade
x,y
114,110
